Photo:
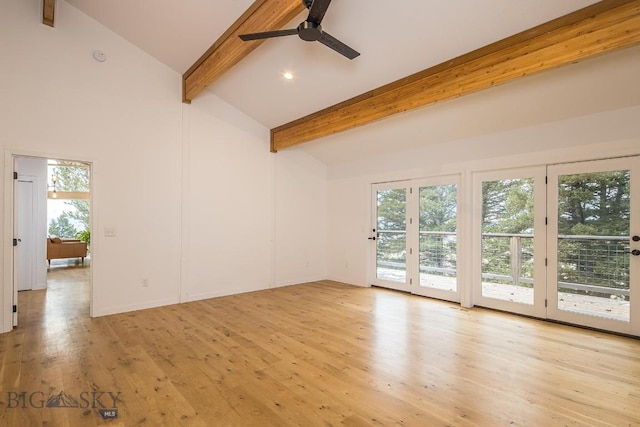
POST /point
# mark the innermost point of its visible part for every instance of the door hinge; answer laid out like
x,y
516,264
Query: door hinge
x,y
411,190
546,179
411,281
15,242
15,175
15,308
410,251
545,303
410,220
546,220
545,262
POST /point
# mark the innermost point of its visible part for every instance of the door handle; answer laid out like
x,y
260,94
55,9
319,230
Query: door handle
x,y
635,252
373,238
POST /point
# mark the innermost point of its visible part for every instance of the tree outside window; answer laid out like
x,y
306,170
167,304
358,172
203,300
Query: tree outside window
x,y
69,218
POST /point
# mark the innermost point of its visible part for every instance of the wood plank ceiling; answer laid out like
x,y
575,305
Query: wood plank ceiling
x,y
597,29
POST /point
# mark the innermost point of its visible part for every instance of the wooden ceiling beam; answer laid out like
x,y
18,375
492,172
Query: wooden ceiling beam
x,y
602,27
228,50
48,12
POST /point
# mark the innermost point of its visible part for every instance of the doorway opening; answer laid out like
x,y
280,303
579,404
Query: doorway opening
x,y
52,263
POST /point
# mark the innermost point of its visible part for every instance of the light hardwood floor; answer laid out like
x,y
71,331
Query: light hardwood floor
x,y
317,354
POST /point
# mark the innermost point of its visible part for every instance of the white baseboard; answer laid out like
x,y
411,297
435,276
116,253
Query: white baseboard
x,y
299,280
187,297
348,281
106,311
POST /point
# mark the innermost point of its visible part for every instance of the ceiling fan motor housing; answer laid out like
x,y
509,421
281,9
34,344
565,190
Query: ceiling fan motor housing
x,y
309,31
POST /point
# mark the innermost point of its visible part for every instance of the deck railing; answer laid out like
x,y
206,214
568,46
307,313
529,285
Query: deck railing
x,y
597,264
591,264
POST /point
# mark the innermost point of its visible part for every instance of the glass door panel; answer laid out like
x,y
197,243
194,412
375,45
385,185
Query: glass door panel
x,y
507,240
593,247
592,220
510,240
437,238
390,235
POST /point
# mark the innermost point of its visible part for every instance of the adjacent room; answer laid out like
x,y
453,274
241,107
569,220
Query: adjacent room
x,y
315,212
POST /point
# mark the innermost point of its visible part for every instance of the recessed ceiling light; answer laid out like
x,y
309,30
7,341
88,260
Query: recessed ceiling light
x,y
287,75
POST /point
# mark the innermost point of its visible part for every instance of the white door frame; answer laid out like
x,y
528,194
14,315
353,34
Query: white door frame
x,y
8,227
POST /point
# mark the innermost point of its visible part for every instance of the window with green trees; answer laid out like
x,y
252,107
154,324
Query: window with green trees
x,y
438,239
69,217
593,229
507,219
391,234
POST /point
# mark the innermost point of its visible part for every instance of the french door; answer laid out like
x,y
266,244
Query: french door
x,y
560,242
509,241
415,236
594,244
389,235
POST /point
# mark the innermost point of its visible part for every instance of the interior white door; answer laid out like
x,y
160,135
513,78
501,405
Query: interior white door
x,y
509,240
26,234
594,244
389,235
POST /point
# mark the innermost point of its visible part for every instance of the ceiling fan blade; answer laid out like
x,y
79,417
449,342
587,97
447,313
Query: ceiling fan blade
x,y
335,44
317,11
268,34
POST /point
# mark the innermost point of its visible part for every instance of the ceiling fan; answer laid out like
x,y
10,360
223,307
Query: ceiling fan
x,y
309,30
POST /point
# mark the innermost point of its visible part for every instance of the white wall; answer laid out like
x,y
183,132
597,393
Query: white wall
x,y
229,188
38,169
250,212
123,116
603,135
301,218
190,189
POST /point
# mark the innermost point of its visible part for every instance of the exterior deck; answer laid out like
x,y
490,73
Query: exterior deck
x,y
613,307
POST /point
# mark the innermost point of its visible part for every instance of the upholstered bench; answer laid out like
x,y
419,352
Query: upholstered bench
x,y
58,248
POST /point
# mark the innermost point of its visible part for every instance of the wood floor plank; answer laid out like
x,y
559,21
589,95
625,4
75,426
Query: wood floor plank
x,y
375,392
316,354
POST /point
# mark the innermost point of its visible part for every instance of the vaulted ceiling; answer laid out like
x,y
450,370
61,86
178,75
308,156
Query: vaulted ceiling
x,y
395,39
